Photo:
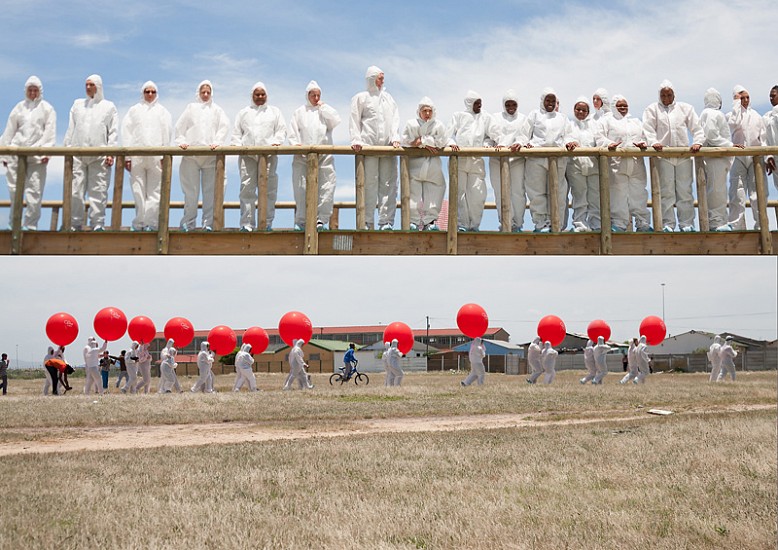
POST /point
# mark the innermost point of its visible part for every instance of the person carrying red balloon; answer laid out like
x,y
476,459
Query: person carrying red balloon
x,y
92,364
548,360
297,367
243,370
204,363
477,370
533,361
632,363
600,359
643,361
591,367
144,368
167,369
394,374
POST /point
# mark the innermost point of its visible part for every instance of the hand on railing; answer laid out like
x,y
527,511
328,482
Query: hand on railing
x,y
695,148
770,164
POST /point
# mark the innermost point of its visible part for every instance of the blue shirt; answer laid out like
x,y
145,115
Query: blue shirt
x,y
349,357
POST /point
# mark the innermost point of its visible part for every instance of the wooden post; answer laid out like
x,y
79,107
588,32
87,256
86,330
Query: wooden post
x,y
262,193
453,204
765,239
606,239
16,207
505,195
312,205
405,194
335,218
218,194
163,229
54,218
359,181
67,193
702,193
118,190
554,208
656,194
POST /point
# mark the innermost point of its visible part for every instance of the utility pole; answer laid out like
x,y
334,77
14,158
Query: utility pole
x,y
427,354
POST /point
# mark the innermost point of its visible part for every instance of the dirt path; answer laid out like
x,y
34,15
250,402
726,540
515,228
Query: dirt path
x,y
144,437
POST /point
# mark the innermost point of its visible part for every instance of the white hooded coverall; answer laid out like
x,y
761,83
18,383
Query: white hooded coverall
x,y
205,359
203,123
313,125
714,356
727,354
643,361
167,369
548,359
147,124
93,123
243,371
92,363
583,173
477,370
131,360
600,359
591,367
428,184
632,363
258,125
375,120
716,131
395,373
48,383
32,123
533,361
771,135
604,111
297,367
144,368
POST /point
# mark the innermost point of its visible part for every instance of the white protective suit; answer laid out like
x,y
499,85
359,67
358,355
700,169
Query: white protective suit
x,y
92,363
243,371
533,361
203,123
727,354
513,130
428,184
601,359
167,369
549,129
468,129
583,173
375,120
389,376
147,124
131,361
628,180
32,123
669,126
643,361
205,360
604,111
297,367
714,356
93,123
632,363
591,366
48,383
313,125
716,131
395,373
258,125
771,128
144,369
747,128
548,360
477,370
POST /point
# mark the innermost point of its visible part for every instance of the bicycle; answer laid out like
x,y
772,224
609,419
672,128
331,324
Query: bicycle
x,y
360,378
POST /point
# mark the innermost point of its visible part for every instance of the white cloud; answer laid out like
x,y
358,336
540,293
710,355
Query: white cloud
x,y
89,40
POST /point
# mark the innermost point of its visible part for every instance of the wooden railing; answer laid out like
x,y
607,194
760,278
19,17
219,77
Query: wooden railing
x,y
226,241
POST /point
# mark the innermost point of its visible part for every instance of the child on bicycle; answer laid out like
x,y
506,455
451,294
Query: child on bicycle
x,y
349,362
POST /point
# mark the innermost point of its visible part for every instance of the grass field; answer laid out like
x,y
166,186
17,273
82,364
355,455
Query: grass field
x,y
704,477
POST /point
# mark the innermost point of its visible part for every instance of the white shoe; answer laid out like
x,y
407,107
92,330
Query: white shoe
x,y
387,227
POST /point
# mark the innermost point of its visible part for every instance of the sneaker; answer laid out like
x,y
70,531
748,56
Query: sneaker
x,y
579,227
530,381
432,227
688,229
298,227
542,230
185,229
133,228
582,380
246,229
320,226
516,229
462,383
615,229
668,229
725,227
98,228
414,227
207,228
461,229
269,227
387,227
644,229
149,229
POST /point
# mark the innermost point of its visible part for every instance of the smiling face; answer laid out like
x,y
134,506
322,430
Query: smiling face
x,y
549,103
259,96
622,107
774,96
477,106
511,106
581,110
666,96
33,92
205,93
425,113
149,95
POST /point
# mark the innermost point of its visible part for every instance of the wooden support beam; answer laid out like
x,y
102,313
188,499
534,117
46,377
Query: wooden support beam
x,y
312,205
118,189
67,193
453,205
504,206
554,208
702,193
405,194
606,238
656,194
765,239
359,182
262,198
219,186
163,229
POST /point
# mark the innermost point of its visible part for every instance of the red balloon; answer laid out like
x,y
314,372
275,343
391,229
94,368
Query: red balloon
x,y
142,329
402,333
110,323
180,330
654,329
62,329
222,340
257,337
552,329
294,326
597,328
472,320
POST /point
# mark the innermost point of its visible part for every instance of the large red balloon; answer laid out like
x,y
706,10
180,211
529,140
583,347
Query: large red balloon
x,y
142,329
257,337
552,329
110,323
654,329
402,333
472,320
62,329
222,339
294,326
597,328
180,330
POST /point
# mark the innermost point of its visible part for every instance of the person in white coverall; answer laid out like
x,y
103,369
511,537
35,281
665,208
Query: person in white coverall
x,y
668,123
716,132
92,363
297,367
591,367
628,191
93,123
477,370
144,368
550,128
205,360
771,134
727,354
167,369
131,361
548,360
644,361
583,173
263,125
395,373
471,128
533,361
243,371
632,362
601,359
203,123
389,376
375,120
602,104
31,123
428,184
146,124
312,124
48,383
513,130
748,130
714,356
